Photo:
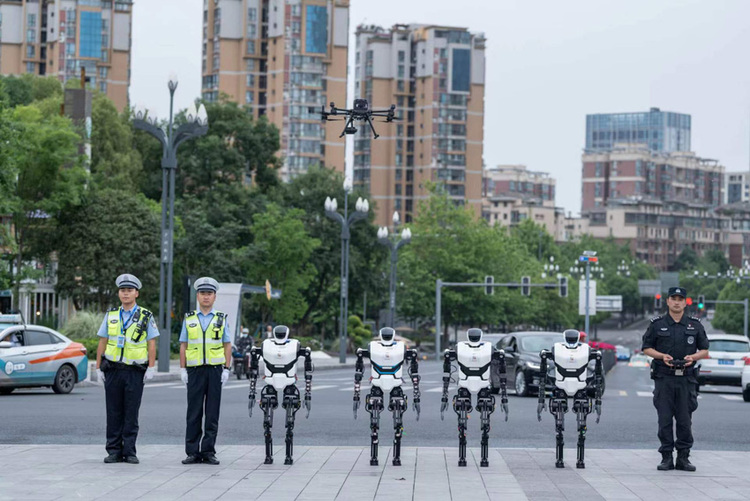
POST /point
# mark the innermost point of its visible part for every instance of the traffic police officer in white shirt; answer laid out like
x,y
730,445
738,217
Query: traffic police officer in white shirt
x,y
125,360
205,358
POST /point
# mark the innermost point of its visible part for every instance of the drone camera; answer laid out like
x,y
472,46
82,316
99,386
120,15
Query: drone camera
x,y
350,129
361,105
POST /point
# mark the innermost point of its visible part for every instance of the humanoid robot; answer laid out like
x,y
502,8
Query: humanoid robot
x,y
475,359
387,358
571,359
280,356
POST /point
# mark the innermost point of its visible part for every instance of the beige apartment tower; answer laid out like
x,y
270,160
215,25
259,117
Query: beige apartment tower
x,y
284,59
61,37
435,77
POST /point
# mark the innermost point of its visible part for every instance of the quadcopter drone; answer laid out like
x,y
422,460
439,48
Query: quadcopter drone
x,y
361,112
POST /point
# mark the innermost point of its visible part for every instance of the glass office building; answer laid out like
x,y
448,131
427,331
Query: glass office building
x,y
659,130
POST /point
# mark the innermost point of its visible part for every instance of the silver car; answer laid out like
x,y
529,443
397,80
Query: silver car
x,y
726,360
32,355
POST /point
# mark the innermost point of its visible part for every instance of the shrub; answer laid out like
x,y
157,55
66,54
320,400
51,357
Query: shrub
x,y
83,325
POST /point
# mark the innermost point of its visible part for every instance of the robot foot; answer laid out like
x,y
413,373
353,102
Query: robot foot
x,y
269,460
484,463
396,462
461,462
373,462
560,464
288,461
580,464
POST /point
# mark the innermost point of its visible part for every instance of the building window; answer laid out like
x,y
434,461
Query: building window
x,y
401,56
91,34
216,62
249,97
316,29
461,74
217,22
251,46
252,14
30,68
103,87
30,35
30,51
251,30
250,80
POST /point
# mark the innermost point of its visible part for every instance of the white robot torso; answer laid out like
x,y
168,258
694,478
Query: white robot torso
x,y
474,362
280,362
571,366
386,364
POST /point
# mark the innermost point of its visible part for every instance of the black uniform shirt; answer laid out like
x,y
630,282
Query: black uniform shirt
x,y
677,339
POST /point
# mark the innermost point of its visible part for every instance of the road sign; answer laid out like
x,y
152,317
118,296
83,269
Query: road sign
x,y
268,290
582,297
609,303
649,288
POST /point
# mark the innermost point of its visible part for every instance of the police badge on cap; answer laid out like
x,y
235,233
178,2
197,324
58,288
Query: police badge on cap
x,y
206,284
127,281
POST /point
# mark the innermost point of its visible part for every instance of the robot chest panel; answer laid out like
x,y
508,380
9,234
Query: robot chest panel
x,y
279,356
571,367
474,357
387,360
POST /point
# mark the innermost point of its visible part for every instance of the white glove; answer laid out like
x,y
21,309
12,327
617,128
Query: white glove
x,y
149,375
184,375
224,376
100,375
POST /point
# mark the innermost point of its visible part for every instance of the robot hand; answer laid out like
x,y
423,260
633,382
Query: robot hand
x,y
539,409
250,404
308,403
598,409
356,405
504,407
416,407
443,406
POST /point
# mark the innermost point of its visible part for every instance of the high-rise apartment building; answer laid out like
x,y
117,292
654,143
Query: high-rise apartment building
x,y
737,187
633,171
657,130
519,182
283,59
61,37
435,77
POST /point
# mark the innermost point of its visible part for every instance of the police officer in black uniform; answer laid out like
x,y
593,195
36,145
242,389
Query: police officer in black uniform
x,y
672,337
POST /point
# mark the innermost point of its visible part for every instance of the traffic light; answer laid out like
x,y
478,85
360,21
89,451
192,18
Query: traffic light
x,y
657,302
525,286
688,301
489,290
563,286
701,301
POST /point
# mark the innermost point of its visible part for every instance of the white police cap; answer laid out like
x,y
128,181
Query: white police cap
x,y
206,284
128,281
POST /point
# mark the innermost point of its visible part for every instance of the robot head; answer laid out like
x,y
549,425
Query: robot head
x,y
572,338
387,334
280,333
474,335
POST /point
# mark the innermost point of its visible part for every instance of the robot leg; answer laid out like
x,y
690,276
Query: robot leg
x,y
462,407
291,404
582,408
374,405
268,402
486,406
397,406
558,406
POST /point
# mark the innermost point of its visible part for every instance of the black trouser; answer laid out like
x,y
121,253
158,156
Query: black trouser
x,y
203,395
123,389
675,399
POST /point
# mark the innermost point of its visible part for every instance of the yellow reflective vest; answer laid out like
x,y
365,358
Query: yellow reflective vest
x,y
205,347
127,346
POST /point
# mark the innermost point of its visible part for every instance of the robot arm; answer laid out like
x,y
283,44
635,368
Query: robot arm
x,y
411,355
544,354
448,357
255,354
598,381
359,368
499,357
305,352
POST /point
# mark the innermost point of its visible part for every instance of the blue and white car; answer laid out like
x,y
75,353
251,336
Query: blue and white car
x,y
34,356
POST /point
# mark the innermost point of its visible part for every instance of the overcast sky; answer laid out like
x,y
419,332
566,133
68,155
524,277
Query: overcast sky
x,y
549,63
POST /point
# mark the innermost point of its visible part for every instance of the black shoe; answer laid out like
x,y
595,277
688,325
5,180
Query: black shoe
x,y
131,460
666,462
683,463
113,458
210,459
192,459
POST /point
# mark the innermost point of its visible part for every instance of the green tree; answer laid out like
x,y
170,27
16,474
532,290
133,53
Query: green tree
x,y
730,317
112,232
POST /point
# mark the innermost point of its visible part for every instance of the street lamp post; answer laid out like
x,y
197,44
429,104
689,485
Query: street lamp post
x,y
170,139
346,220
394,245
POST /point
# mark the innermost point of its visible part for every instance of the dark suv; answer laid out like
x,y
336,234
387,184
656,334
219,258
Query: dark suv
x,y
522,361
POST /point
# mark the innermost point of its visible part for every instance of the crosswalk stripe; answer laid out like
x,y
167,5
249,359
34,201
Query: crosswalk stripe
x,y
645,394
731,397
323,387
434,390
157,385
623,393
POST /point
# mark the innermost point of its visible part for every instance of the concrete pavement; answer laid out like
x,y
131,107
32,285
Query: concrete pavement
x,y
47,472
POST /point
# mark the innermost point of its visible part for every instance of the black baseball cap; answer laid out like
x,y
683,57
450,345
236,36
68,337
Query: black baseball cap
x,y
677,291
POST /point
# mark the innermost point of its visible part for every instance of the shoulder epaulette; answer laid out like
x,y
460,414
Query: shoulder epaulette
x,y
146,312
656,318
697,319
190,313
114,308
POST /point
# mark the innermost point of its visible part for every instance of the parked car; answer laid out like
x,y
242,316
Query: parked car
x,y
523,362
746,380
9,320
726,361
623,352
32,356
639,360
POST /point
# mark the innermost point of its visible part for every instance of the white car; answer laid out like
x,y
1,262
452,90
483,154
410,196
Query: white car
x,y
746,380
727,356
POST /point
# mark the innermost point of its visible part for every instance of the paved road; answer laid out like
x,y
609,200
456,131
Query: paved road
x,y
629,419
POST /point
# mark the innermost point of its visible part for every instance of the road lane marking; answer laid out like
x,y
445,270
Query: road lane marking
x,y
645,394
324,387
731,397
623,393
157,385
